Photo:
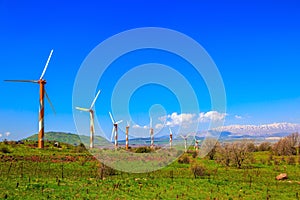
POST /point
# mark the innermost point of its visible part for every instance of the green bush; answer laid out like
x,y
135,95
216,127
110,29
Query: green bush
x,y
5,150
80,149
143,150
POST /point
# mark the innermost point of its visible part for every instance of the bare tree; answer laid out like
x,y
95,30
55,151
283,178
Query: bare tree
x,y
287,146
223,154
235,154
294,139
265,146
209,147
240,153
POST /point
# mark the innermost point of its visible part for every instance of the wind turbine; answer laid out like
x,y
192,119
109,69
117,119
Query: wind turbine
x,y
92,126
196,144
114,131
185,141
127,132
171,137
43,92
151,134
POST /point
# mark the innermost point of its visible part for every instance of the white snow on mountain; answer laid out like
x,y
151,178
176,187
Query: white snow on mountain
x,y
257,130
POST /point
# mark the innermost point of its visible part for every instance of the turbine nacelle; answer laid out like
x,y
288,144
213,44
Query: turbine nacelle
x,y
114,131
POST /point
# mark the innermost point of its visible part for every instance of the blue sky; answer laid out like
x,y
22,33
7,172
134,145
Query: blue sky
x,y
254,44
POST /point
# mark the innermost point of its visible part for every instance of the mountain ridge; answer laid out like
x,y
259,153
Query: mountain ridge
x,y
260,130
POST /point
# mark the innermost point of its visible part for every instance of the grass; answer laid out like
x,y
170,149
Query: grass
x,y
30,173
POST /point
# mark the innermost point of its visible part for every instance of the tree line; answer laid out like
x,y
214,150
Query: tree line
x,y
240,153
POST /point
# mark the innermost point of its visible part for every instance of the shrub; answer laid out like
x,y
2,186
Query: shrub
x,y
106,171
210,146
5,150
199,171
291,160
143,150
251,147
80,149
265,146
262,161
195,154
184,159
82,160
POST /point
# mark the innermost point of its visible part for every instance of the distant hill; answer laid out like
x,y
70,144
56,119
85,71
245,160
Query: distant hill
x,y
69,138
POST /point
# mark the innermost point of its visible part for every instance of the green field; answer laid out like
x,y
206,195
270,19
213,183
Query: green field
x,y
72,173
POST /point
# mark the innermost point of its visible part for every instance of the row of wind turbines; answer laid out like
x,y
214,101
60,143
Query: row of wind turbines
x,y
114,133
42,93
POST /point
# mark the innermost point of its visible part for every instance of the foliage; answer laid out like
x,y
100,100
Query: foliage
x,y
69,138
142,150
294,139
251,147
286,146
5,149
199,171
210,146
194,154
264,146
235,154
184,159
291,160
80,149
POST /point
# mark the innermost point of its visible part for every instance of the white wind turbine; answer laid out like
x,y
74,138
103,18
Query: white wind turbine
x,y
127,132
42,95
171,137
185,141
92,126
151,134
196,144
114,131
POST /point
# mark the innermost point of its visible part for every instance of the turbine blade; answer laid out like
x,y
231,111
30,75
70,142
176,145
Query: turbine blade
x,y
112,134
170,131
150,122
112,119
82,109
45,68
128,123
95,99
51,105
26,81
182,136
118,122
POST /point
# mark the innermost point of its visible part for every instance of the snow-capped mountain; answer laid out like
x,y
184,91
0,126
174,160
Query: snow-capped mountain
x,y
260,130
